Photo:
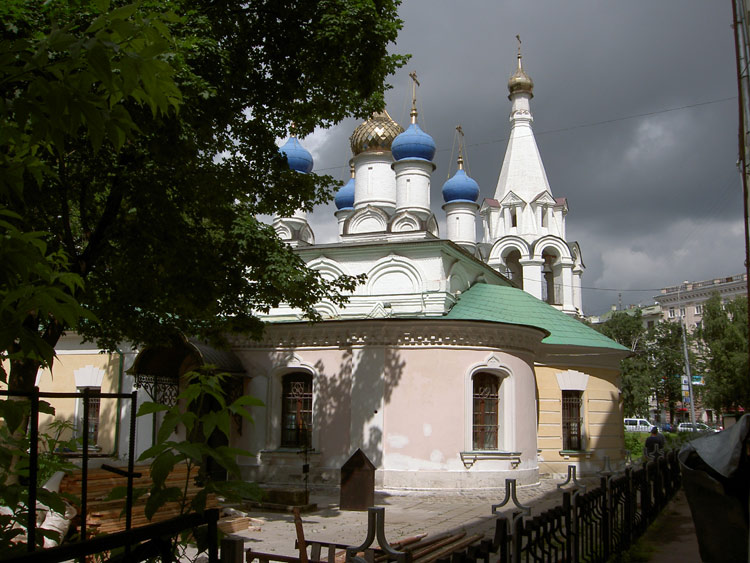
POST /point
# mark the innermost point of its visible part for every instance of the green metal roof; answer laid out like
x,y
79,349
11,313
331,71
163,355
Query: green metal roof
x,y
502,304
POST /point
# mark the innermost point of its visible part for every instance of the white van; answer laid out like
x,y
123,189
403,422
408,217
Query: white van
x,y
637,425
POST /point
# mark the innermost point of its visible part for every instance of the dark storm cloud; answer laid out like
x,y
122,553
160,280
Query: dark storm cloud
x,y
635,117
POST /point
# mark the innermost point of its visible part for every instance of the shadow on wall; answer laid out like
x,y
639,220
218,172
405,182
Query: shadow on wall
x,y
350,403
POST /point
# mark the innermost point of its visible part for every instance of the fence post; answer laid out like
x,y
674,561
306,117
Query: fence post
x,y
500,541
576,527
606,517
659,484
33,464
212,520
627,532
85,463
568,518
517,538
232,550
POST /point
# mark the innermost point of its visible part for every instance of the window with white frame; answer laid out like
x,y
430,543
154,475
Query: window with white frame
x,y
296,410
572,420
699,309
92,413
671,312
485,424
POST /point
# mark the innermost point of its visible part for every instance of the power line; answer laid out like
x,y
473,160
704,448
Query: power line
x,y
592,124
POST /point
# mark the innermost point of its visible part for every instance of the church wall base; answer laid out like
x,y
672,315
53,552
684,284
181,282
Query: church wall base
x,y
446,480
292,476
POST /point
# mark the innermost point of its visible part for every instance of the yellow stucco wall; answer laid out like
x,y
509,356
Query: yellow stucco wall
x,y
603,433
84,368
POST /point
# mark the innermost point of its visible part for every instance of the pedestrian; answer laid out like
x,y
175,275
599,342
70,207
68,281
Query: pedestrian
x,y
655,444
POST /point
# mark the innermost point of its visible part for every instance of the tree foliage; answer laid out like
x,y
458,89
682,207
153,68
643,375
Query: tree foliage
x,y
139,141
654,368
666,360
724,335
637,379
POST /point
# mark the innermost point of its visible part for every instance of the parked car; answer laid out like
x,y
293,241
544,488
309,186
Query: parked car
x,y
665,427
699,427
637,425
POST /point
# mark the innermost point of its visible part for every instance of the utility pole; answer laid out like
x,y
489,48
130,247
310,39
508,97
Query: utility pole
x,y
742,56
683,329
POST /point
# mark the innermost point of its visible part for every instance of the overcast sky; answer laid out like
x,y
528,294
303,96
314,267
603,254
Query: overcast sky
x,y
635,115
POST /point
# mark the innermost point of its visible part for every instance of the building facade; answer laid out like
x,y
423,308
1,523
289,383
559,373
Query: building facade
x,y
457,364
686,299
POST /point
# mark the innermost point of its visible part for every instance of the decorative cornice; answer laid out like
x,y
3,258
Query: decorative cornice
x,y
402,333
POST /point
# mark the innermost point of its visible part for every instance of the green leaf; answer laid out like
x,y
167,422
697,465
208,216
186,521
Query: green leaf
x,y
159,498
192,451
161,467
98,58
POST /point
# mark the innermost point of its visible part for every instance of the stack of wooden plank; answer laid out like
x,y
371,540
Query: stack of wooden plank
x,y
448,546
107,516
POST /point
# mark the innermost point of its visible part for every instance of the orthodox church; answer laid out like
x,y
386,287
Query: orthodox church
x,y
459,362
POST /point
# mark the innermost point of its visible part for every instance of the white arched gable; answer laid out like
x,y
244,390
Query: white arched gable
x,y
506,402
577,258
405,222
557,243
367,220
306,234
327,310
432,226
329,269
459,278
394,275
283,232
506,244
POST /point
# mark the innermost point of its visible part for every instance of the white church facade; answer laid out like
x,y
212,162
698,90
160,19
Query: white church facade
x,y
459,362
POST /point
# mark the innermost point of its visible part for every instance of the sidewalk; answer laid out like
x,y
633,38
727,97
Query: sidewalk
x,y
673,534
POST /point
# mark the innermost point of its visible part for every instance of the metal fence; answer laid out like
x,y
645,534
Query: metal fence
x,y
594,525
589,526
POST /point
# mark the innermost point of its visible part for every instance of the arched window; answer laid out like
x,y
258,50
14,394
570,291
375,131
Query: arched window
x,y
296,410
486,389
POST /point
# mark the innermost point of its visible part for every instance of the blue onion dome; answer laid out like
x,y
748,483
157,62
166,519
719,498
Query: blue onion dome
x,y
375,134
345,196
460,187
298,157
413,143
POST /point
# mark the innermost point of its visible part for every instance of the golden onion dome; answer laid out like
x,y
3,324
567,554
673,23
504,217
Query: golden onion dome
x,y
375,134
520,81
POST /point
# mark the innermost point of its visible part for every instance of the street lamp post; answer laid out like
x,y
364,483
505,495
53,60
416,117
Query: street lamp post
x,y
683,328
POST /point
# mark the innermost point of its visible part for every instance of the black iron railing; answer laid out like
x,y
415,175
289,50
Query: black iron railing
x,y
593,525
86,395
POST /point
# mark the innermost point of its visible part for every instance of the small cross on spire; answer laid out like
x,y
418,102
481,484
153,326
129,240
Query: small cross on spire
x,y
518,38
460,161
414,84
